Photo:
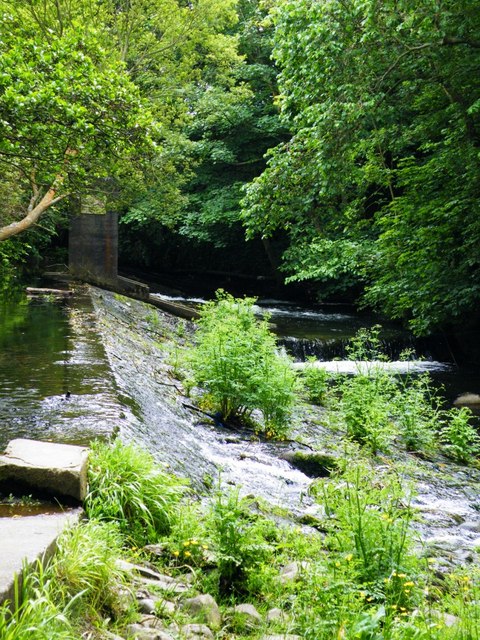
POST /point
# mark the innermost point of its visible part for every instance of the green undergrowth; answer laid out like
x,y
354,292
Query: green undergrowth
x,y
360,574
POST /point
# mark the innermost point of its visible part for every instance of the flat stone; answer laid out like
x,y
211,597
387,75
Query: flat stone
x,y
27,540
45,467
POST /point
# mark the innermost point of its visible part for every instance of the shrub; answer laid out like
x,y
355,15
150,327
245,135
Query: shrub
x,y
236,361
316,382
365,406
126,486
417,413
459,438
240,540
370,519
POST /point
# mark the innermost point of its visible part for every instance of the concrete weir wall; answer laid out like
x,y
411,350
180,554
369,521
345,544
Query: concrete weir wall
x,y
57,470
93,253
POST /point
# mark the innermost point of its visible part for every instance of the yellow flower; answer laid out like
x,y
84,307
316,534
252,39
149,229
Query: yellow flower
x,y
402,575
186,543
349,558
187,554
409,584
204,546
176,553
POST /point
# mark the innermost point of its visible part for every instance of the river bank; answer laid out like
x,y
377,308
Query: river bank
x,y
141,344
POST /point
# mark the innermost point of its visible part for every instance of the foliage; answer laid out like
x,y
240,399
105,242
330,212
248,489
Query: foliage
x,y
370,519
242,541
459,438
34,612
378,185
365,407
69,113
316,382
85,569
236,361
417,413
127,487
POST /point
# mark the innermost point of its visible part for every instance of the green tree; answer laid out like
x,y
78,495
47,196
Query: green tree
x,y
379,183
69,114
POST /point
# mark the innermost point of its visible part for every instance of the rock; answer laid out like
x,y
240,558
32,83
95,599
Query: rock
x,y
25,541
245,618
164,583
157,550
204,608
139,632
139,569
467,400
165,607
276,615
313,464
292,571
152,622
146,605
197,632
280,636
45,467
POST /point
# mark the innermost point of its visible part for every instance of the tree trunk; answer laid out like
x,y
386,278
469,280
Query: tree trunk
x,y
34,210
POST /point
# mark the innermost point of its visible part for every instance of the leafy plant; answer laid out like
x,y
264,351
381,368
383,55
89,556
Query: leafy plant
x,y
236,361
370,519
459,438
316,382
126,486
417,413
365,407
240,540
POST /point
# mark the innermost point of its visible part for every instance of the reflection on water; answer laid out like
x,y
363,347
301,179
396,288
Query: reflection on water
x,y
55,382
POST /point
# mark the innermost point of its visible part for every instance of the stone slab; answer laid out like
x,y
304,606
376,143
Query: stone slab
x,y
23,541
56,469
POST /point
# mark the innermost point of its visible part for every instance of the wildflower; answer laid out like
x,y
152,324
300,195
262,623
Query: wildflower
x,y
176,553
204,547
187,554
401,575
408,584
186,543
349,557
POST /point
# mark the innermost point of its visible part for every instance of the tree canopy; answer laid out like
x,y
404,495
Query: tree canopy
x,y
69,115
379,183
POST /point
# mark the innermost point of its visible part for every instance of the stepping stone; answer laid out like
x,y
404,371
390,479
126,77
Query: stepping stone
x,y
59,470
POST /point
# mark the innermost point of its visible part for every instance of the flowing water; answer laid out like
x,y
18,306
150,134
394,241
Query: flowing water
x,y
75,368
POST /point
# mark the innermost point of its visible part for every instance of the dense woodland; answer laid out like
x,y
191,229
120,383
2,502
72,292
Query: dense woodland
x,y
333,144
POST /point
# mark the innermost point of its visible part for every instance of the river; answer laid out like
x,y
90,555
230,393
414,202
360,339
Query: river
x,y
97,364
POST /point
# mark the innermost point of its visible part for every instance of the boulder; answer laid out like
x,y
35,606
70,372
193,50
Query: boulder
x,y
49,468
467,400
245,618
314,464
204,608
197,632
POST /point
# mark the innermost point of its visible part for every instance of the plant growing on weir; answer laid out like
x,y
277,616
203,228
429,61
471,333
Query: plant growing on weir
x,y
236,361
